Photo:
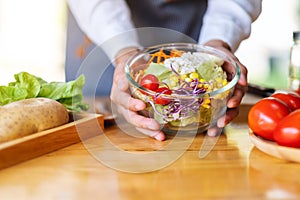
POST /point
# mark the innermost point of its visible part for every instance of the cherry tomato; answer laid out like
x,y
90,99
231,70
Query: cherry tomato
x,y
264,116
287,132
292,100
150,82
158,99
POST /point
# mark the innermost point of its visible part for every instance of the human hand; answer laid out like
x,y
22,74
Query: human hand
x,y
240,89
126,104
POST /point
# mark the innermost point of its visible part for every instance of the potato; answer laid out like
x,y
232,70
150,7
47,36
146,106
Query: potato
x,y
29,116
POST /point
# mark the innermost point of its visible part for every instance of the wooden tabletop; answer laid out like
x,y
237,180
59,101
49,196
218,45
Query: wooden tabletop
x,y
96,169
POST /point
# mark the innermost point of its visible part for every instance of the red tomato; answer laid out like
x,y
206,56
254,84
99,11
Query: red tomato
x,y
158,99
292,100
150,82
287,132
264,116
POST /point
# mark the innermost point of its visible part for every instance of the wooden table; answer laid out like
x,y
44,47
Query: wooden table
x,y
233,169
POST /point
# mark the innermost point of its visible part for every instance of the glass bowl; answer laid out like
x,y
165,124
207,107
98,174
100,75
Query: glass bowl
x,y
192,86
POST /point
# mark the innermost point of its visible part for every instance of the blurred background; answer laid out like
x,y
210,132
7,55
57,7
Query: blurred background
x,y
33,37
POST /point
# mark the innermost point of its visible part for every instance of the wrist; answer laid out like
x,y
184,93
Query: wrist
x,y
123,54
218,44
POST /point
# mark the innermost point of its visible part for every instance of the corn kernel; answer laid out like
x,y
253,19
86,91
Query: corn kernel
x,y
224,82
193,75
206,85
183,76
205,106
188,79
206,101
219,80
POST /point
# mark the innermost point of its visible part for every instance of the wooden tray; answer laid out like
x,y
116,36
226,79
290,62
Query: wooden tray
x,y
273,149
37,144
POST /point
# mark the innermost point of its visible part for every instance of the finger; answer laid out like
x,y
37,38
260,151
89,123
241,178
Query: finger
x,y
158,135
231,113
244,73
213,131
243,80
236,97
128,102
139,120
120,96
125,100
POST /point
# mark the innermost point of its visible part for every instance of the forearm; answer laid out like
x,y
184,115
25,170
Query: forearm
x,y
106,22
229,21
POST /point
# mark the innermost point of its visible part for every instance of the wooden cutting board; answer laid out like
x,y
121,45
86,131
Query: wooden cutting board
x,y
37,144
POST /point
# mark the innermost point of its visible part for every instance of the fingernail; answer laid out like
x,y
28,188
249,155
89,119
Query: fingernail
x,y
160,137
211,132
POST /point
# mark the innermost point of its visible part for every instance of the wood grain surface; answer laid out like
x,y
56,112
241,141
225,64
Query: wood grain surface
x,y
37,144
233,169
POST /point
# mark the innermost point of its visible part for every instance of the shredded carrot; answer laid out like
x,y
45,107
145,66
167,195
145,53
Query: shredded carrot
x,y
176,53
161,56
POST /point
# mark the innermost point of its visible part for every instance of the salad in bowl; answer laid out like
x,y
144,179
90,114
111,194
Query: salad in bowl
x,y
185,86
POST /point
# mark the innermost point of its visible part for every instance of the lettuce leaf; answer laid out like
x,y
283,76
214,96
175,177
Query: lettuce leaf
x,y
156,69
29,86
210,70
69,93
160,71
27,81
10,94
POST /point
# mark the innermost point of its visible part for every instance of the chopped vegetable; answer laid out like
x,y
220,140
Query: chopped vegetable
x,y
183,74
159,56
28,86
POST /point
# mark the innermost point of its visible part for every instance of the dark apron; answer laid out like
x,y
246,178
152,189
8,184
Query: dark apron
x,y
184,16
